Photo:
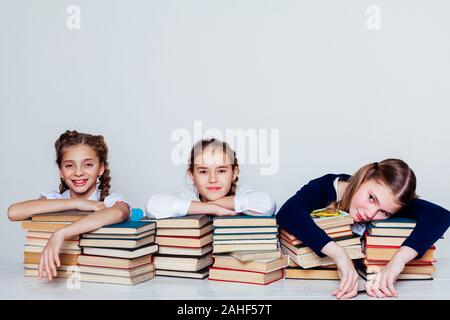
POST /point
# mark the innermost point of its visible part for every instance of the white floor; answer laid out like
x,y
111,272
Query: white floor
x,y
13,285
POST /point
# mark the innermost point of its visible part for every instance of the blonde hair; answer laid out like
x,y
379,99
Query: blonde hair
x,y
215,144
394,173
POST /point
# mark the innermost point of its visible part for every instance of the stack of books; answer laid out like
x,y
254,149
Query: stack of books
x,y
338,226
246,250
184,246
120,253
382,240
39,229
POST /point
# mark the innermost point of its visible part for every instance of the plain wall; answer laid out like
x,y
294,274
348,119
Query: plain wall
x,y
340,94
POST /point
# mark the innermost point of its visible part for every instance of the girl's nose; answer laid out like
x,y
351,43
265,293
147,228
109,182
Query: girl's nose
x,y
78,171
212,177
371,211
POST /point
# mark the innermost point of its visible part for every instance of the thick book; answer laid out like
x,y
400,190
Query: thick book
x,y
266,265
248,236
311,260
61,216
182,263
244,221
128,273
383,240
184,251
389,232
242,276
30,225
35,258
221,248
126,227
331,219
256,255
245,230
388,252
47,235
39,249
312,274
190,221
39,242
303,249
394,222
200,274
31,272
189,232
100,278
361,269
117,243
118,263
119,236
409,269
121,253
245,241
181,241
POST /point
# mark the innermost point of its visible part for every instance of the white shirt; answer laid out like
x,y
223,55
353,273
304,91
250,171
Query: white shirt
x,y
109,201
357,227
246,200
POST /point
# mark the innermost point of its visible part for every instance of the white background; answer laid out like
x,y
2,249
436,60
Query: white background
x,y
341,95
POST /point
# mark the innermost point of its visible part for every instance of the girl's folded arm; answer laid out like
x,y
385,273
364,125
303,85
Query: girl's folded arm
x,y
255,203
24,210
166,206
294,217
431,223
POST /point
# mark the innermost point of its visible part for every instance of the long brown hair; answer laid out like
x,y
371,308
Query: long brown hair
x,y
215,144
72,138
394,173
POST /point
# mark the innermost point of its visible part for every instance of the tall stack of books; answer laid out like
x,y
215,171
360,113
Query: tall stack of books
x,y
382,240
338,226
39,229
120,253
246,250
184,246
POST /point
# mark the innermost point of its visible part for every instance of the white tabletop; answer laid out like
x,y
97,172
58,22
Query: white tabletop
x,y
14,285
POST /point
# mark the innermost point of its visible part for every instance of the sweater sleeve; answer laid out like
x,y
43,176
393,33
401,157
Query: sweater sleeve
x,y
431,223
254,203
294,216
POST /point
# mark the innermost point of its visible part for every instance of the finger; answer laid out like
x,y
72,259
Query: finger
x,y
369,289
383,288
343,281
41,266
378,293
334,292
47,266
352,293
52,264
57,260
348,284
391,287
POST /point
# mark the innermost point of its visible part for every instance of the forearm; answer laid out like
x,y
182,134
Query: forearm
x,y
225,202
334,251
94,221
23,210
198,207
404,255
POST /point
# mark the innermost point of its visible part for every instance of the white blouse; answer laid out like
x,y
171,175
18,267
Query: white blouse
x,y
246,200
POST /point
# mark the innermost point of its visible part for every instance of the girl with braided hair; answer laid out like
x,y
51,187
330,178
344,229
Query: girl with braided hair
x,y
82,160
212,187
376,191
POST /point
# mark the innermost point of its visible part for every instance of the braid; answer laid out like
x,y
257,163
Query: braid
x,y
63,186
104,183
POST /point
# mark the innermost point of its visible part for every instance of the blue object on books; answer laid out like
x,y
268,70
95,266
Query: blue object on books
x,y
129,224
136,214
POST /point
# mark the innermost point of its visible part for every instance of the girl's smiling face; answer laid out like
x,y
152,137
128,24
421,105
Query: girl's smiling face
x,y
213,174
373,201
80,167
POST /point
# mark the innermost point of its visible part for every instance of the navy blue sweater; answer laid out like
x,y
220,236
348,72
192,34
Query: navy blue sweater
x,y
431,220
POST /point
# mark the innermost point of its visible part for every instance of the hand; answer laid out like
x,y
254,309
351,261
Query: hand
x,y
381,285
221,211
50,256
348,287
89,205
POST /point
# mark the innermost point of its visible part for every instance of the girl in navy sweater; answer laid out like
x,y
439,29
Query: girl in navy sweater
x,y
374,192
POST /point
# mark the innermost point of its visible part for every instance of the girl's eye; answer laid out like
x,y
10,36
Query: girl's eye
x,y
371,198
89,165
202,171
68,166
222,171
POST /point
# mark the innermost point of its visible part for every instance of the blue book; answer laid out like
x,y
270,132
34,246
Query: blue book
x,y
127,227
244,221
395,222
